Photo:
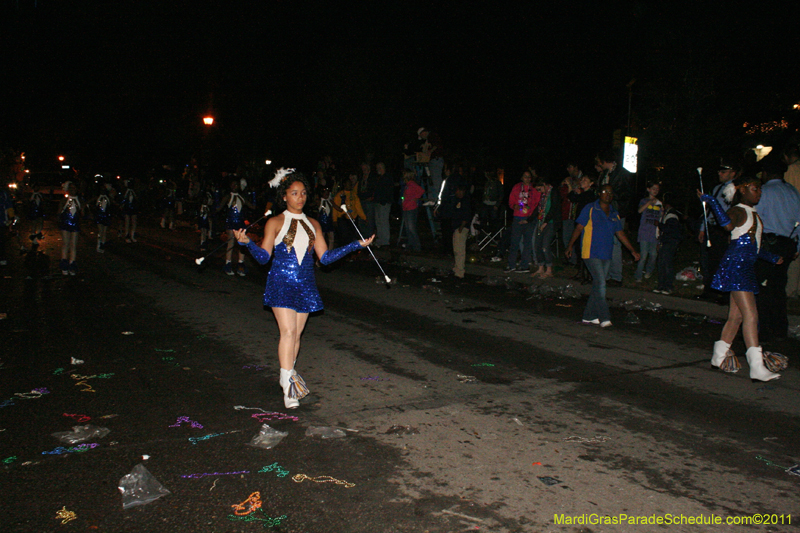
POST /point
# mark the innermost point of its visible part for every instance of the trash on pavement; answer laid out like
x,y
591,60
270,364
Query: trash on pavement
x,y
65,516
430,288
402,430
81,434
182,419
127,333
140,487
631,318
278,469
267,437
585,439
324,432
74,361
298,478
549,481
688,274
467,379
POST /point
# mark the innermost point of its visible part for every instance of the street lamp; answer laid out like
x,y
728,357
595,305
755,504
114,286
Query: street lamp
x,y
208,121
61,158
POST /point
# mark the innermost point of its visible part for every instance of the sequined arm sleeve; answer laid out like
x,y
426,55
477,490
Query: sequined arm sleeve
x,y
258,253
768,256
337,253
717,209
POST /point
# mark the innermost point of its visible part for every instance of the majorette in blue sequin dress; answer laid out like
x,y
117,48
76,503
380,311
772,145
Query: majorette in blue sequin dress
x,y
235,215
291,282
737,269
69,217
103,214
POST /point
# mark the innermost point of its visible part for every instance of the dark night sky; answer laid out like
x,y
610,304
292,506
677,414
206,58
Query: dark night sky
x,y
122,85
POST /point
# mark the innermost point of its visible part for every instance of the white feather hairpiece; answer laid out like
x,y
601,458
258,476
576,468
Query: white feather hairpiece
x,y
280,175
728,191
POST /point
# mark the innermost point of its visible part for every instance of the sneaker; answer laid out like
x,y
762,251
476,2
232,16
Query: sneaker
x,y
99,247
496,259
73,269
241,270
605,323
648,275
429,203
666,292
595,321
228,268
509,270
658,291
64,266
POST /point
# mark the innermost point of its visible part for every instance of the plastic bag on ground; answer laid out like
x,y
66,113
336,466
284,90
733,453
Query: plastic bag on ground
x,y
81,434
140,487
267,437
325,432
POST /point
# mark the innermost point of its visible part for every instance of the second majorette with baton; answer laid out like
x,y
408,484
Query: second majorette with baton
x,y
290,239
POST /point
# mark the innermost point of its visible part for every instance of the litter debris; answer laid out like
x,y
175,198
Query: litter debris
x,y
140,487
9,460
483,364
257,368
127,333
198,476
250,505
278,469
556,369
145,457
430,288
65,516
517,421
549,481
631,318
641,304
195,440
78,418
32,395
324,432
466,379
688,274
402,430
584,439
298,478
536,464
81,434
182,419
74,361
266,417
794,470
58,371
168,350
375,378
268,522
267,437
80,448
459,515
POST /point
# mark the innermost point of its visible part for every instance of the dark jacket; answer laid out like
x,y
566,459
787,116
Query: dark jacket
x,y
622,182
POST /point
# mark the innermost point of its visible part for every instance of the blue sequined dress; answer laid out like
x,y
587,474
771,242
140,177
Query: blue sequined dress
x,y
103,214
235,216
737,268
69,218
291,282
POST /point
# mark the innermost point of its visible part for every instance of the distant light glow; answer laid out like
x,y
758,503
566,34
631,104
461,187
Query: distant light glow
x,y
61,158
208,121
268,161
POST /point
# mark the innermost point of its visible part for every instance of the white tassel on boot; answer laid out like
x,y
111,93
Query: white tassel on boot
x,y
290,403
720,352
755,358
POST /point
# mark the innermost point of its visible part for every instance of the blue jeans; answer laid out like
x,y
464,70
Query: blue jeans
x,y
521,232
648,252
410,224
567,227
597,306
615,272
543,245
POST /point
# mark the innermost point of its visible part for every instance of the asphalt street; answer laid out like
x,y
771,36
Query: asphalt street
x,y
468,405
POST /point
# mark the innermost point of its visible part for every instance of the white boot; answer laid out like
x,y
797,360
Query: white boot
x,y
720,352
755,358
290,403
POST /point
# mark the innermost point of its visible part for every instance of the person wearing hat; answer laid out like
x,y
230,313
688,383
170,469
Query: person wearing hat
x,y
779,210
729,170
